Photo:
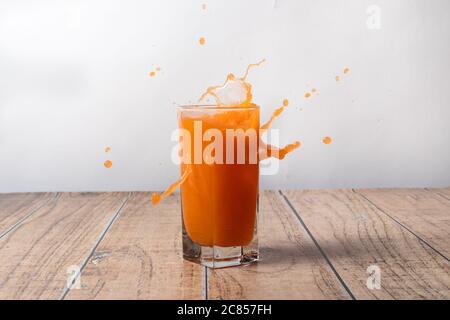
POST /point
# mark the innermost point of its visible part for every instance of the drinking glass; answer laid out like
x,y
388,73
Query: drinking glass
x,y
219,197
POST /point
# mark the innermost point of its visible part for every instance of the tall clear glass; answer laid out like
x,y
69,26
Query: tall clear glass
x,y
219,198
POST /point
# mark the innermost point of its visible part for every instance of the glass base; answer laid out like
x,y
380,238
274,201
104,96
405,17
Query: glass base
x,y
219,257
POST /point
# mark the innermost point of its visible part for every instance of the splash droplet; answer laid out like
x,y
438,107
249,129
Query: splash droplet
x,y
156,198
108,149
337,78
326,140
108,164
275,115
204,6
279,153
158,69
201,41
307,95
346,70
314,90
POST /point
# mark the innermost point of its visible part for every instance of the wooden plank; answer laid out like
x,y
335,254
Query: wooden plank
x,y
14,207
291,265
423,212
141,257
355,235
37,255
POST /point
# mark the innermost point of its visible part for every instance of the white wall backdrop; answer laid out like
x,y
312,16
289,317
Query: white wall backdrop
x,y
74,80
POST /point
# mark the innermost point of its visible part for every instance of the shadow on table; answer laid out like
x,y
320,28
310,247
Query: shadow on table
x,y
310,253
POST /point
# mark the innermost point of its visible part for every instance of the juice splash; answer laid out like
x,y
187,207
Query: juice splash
x,y
345,71
327,140
275,115
237,93
156,197
154,72
275,152
108,164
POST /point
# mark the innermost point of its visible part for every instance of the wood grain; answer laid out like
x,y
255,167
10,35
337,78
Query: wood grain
x,y
443,192
354,234
35,256
424,212
14,207
291,266
141,256
128,249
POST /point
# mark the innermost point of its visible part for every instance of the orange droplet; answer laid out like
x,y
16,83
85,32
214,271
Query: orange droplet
x,y
156,198
201,41
313,90
326,140
346,70
152,74
337,78
108,149
285,102
307,95
108,164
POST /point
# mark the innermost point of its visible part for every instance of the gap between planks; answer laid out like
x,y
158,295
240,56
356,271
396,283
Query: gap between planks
x,y
95,246
28,215
140,256
403,225
297,214
411,269
205,283
205,279
291,265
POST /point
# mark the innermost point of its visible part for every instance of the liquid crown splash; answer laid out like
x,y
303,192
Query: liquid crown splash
x,y
237,92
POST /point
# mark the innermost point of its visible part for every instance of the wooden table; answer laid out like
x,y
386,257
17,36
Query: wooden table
x,y
314,245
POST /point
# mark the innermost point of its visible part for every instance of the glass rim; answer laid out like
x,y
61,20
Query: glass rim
x,y
202,107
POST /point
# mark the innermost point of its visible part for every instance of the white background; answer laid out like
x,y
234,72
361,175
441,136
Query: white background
x,y
74,80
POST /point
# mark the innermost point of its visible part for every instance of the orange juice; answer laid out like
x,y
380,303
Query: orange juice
x,y
219,199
